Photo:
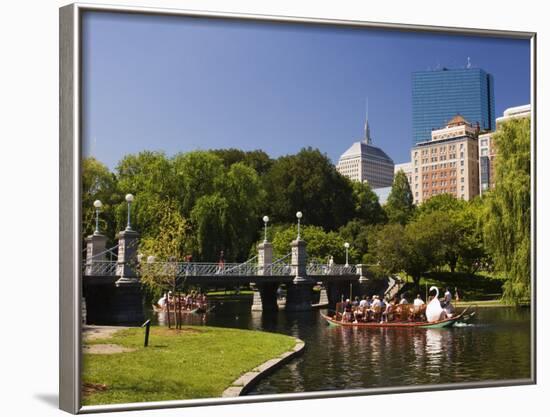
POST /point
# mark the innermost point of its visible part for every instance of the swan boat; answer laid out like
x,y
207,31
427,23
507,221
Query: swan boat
x,y
435,314
448,322
196,310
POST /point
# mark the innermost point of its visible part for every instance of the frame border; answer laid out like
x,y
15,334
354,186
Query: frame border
x,y
70,96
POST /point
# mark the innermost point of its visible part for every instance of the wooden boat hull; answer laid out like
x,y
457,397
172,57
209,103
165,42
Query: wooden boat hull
x,y
197,310
405,324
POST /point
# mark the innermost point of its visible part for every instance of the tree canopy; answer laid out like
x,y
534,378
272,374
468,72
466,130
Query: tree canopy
x,y
309,182
507,213
399,207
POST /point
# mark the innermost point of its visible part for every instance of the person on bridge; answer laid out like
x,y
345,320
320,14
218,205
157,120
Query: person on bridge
x,y
221,263
330,263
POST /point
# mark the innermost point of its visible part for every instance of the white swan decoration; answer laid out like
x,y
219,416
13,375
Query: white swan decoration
x,y
434,312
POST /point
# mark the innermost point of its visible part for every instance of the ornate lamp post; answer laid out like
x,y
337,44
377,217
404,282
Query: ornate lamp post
x,y
298,216
346,245
129,199
97,204
265,219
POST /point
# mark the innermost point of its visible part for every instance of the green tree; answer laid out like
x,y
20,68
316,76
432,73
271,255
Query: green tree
x,y
229,218
168,247
170,244
358,234
473,254
98,183
367,206
399,207
320,244
245,195
258,160
197,174
210,217
309,182
444,203
507,211
411,248
150,178
455,225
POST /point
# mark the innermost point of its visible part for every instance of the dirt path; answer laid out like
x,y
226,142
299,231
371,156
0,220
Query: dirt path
x,y
100,332
90,333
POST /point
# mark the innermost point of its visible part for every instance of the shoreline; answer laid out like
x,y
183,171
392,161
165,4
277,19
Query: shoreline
x,y
248,380
486,304
109,355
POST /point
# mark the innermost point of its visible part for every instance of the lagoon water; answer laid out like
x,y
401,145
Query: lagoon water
x,y
496,347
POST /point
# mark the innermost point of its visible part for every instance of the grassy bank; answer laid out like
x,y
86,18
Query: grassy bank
x,y
229,292
470,286
195,362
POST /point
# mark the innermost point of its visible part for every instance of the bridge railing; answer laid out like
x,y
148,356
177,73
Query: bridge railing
x,y
316,269
200,268
111,252
108,268
100,268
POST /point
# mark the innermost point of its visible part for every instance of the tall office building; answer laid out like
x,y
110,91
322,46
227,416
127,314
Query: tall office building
x,y
365,162
439,95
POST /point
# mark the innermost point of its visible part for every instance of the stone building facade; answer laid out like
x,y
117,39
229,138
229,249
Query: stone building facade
x,y
448,163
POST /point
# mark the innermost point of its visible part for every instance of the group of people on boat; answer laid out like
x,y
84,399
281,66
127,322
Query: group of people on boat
x,y
378,309
185,302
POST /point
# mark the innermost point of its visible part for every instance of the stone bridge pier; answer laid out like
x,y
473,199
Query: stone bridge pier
x,y
265,294
114,300
299,291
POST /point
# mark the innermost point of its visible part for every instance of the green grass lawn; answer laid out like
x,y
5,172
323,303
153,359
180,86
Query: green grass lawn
x,y
230,292
195,362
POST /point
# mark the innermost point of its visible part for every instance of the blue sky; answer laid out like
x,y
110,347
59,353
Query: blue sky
x,y
177,84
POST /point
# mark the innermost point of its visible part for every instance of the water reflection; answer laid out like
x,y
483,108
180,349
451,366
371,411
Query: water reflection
x,y
345,358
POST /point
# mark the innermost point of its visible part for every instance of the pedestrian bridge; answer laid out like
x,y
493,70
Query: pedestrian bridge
x,y
204,272
112,277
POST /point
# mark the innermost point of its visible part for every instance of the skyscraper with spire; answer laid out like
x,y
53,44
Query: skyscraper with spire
x,y
365,162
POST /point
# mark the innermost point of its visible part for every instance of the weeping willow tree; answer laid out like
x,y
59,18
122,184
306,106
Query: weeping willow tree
x,y
508,209
163,252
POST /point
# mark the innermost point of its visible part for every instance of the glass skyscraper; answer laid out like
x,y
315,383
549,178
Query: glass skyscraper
x,y
439,95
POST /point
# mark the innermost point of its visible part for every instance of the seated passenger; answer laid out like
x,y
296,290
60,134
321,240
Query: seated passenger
x,y
447,298
418,301
387,314
403,300
418,308
347,311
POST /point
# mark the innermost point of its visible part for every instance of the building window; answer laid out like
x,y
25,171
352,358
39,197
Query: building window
x,y
483,142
